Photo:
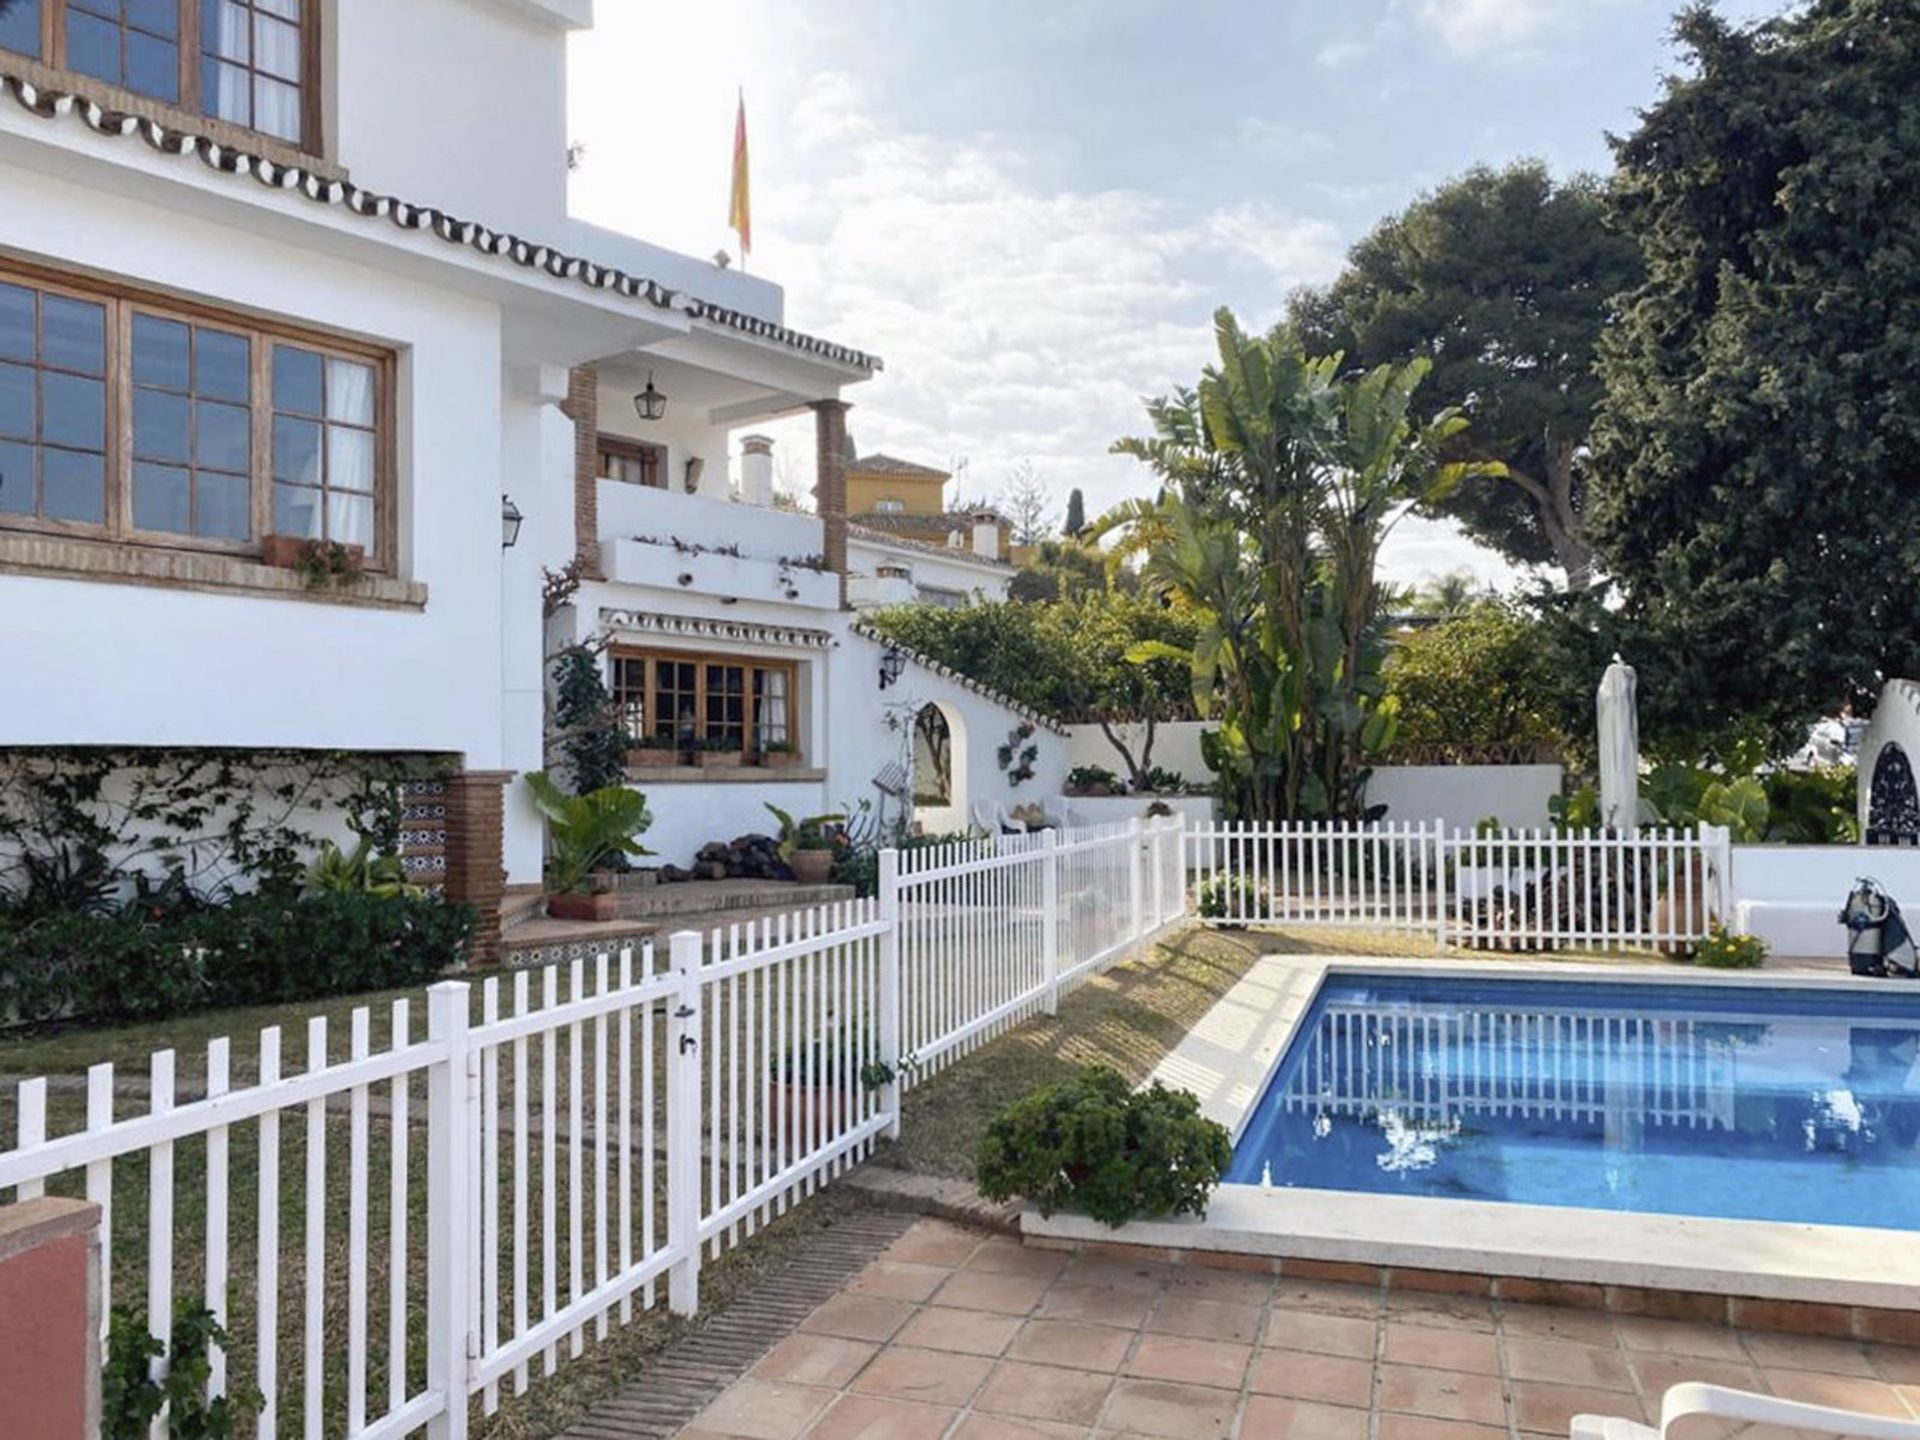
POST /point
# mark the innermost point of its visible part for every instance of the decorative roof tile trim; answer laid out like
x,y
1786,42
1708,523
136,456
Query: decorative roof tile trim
x,y
965,682
54,104
696,627
906,542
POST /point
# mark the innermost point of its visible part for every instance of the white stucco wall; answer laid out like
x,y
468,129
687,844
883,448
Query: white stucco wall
x,y
1791,895
931,569
90,663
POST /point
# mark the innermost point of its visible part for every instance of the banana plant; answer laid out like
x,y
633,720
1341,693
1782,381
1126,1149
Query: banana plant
x,y
359,872
585,831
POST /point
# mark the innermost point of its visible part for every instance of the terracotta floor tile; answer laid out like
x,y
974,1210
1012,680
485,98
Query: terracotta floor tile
x,y
1002,1256
1425,1427
1190,1361
1236,1287
1115,1273
1206,1319
981,1290
1004,1427
1350,1335
858,1317
1538,1405
1442,1394
970,1332
1848,1392
1271,1418
1441,1347
934,1242
1160,1407
1069,1343
873,1417
1658,1374
1553,1322
1564,1363
1301,1375
1899,1363
815,1360
1807,1352
1044,1392
1678,1337
899,1280
937,1377
1097,1305
762,1410
1459,1312
1325,1298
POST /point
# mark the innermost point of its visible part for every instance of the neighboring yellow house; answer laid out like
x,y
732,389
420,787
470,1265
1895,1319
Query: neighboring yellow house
x,y
907,499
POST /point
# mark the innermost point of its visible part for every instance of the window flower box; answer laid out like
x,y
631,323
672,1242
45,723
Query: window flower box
x,y
780,759
721,759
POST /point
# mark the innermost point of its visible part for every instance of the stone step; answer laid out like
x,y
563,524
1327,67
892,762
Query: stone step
x,y
707,897
543,941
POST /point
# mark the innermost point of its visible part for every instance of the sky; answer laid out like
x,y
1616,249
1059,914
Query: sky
x,y
1031,208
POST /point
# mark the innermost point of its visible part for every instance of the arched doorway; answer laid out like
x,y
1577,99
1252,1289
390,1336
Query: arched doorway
x,y
1893,804
940,769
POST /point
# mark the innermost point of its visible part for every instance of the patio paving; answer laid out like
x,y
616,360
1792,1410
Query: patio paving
x,y
953,1334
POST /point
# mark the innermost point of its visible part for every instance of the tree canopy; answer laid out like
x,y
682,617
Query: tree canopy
x,y
1503,279
1760,437
1474,687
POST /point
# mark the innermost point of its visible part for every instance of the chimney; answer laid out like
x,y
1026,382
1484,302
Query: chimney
x,y
986,534
756,470
830,484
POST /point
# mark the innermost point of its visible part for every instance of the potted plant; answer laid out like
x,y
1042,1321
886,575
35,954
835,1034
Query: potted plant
x,y
779,755
1092,780
716,753
654,750
807,847
809,1094
585,832
320,564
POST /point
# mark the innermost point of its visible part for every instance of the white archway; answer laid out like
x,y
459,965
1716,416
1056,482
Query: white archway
x,y
940,792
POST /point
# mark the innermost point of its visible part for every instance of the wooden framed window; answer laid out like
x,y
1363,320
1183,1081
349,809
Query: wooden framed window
x,y
632,462
746,704
250,63
133,418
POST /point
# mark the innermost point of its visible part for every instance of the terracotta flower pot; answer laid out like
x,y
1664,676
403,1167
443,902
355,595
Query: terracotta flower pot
x,y
720,759
596,905
779,759
811,867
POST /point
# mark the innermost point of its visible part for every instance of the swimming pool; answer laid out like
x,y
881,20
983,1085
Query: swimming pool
x,y
1731,1101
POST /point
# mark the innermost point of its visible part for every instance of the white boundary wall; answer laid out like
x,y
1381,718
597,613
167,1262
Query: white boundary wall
x,y
1791,895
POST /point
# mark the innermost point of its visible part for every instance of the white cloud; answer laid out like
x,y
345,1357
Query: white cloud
x,y
1499,29
1278,140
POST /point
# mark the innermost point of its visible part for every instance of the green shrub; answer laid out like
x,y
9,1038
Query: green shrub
x,y
1096,1145
1235,896
1723,950
130,1398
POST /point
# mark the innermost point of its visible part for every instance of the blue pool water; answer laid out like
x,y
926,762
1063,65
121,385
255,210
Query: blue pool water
x,y
1732,1101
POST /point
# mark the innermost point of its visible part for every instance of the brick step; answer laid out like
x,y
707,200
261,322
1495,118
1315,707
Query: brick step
x,y
708,897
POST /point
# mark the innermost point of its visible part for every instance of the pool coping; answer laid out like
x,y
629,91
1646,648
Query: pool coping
x,y
1229,1057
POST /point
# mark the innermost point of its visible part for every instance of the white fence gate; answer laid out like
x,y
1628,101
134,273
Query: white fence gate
x,y
582,1152
1509,889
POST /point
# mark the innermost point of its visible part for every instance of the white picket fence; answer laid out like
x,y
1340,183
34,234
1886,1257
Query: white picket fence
x,y
1657,888
582,1152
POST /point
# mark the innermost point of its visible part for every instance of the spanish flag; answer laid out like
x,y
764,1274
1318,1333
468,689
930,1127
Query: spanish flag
x,y
740,210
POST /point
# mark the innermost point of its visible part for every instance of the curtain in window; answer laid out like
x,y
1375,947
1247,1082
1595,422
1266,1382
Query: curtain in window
x,y
228,85
774,722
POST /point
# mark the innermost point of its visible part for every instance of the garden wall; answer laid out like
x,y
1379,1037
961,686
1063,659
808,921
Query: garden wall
x,y
1791,895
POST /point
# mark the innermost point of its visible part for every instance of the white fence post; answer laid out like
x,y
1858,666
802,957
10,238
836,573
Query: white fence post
x,y
684,1064
1438,880
1136,892
449,1208
888,997
1156,863
1050,919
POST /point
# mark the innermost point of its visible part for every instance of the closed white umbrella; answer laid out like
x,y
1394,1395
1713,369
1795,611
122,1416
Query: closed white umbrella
x,y
1619,747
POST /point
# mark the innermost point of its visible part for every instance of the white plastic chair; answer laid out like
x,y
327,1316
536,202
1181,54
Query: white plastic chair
x,y
1685,1401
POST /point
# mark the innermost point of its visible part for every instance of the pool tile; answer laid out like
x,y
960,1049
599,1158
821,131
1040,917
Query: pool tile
x,y
858,1317
1301,1375
1540,1405
815,1360
1442,1394
980,1290
1044,1392
936,1377
1069,1343
1206,1319
1564,1363
1349,1335
1180,1412
1808,1352
1097,1305
899,1280
1442,1348
874,1417
1190,1361
968,1332
1270,1418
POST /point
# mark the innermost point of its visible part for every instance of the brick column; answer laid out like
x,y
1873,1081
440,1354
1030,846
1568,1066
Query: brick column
x,y
50,1320
830,484
583,408
476,871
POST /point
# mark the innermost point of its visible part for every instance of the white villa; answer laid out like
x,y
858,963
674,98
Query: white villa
x,y
268,282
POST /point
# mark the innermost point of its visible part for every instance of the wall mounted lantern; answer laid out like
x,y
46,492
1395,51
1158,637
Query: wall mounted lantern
x,y
510,521
650,403
892,663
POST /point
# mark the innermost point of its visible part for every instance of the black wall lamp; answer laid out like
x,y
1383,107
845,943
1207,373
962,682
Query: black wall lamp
x,y
893,662
510,521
